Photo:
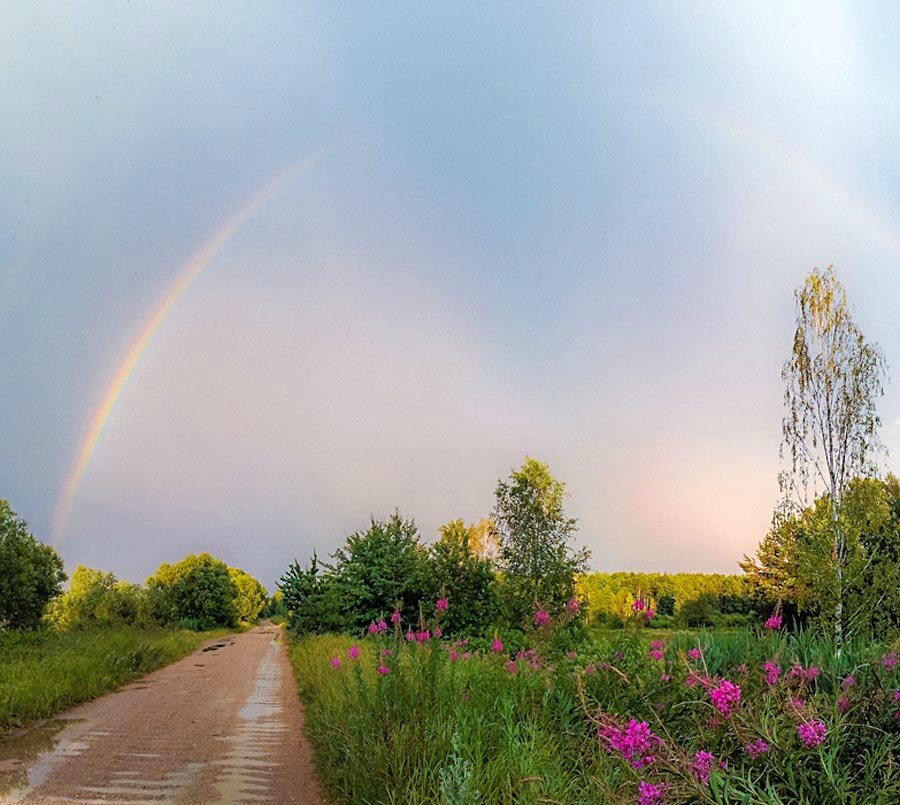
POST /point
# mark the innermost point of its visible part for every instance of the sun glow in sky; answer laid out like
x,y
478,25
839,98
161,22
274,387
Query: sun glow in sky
x,y
568,233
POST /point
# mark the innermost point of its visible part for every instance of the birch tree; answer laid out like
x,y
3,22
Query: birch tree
x,y
833,379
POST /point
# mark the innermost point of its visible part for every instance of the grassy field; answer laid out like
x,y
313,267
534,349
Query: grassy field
x,y
693,717
44,672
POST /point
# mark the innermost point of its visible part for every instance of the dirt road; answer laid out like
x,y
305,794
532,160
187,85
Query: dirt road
x,y
222,725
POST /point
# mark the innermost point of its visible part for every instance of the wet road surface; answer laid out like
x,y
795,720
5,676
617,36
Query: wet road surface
x,y
222,725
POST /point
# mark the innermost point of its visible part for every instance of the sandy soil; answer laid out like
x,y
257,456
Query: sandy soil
x,y
221,725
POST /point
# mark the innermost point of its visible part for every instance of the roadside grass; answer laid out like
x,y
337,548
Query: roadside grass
x,y
44,672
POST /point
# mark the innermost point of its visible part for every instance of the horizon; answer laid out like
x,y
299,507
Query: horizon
x,y
266,274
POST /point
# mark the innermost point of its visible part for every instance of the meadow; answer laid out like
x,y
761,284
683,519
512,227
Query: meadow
x,y
45,671
563,714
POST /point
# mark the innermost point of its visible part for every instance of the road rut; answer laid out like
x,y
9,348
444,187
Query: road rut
x,y
222,725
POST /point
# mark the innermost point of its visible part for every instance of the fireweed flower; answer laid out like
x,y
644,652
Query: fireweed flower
x,y
657,649
812,732
410,636
335,662
805,674
441,604
573,606
694,654
637,605
373,629
844,703
772,672
702,765
386,652
542,618
382,626
774,621
725,696
512,667
757,748
395,618
650,613
848,681
889,660
635,743
353,653
572,655
454,655
649,794
383,670
497,645
664,678
589,670
438,634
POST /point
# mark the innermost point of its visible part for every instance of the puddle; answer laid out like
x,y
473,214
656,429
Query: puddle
x,y
217,646
27,756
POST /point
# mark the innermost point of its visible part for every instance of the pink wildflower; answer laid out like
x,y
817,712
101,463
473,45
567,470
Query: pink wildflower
x,y
438,634
589,670
725,696
373,629
694,654
386,652
844,703
335,662
410,636
512,667
353,653
618,656
774,621
848,681
772,672
757,748
383,670
571,655
395,618
421,637
454,655
805,674
664,678
635,742
897,695
812,732
497,646
542,618
382,626
702,766
573,606
637,605
649,794
650,613
441,604
890,660
657,651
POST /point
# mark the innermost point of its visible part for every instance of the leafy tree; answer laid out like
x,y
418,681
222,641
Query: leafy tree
x,y
95,598
196,592
378,569
830,430
467,579
251,597
310,599
31,573
538,563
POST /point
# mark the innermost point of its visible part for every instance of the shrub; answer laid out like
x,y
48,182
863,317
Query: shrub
x,y
198,590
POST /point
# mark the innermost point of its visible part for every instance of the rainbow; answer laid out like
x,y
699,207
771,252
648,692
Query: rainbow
x,y
203,257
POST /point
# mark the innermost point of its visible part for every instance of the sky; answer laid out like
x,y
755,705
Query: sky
x,y
299,264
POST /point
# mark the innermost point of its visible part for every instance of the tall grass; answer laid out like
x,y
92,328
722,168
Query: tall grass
x,y
47,671
442,728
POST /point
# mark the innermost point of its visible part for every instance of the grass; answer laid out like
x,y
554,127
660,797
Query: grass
x,y
439,728
44,672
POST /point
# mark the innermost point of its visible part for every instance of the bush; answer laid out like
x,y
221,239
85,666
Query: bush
x,y
95,598
197,590
31,573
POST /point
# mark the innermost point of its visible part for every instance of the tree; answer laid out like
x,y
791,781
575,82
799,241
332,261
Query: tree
x,y
31,573
538,563
196,593
830,430
95,598
251,597
310,599
378,569
461,574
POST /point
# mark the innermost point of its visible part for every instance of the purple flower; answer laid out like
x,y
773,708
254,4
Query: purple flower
x,y
757,748
812,732
383,670
650,613
438,634
725,696
373,629
382,626
657,650
410,636
694,654
848,681
353,653
395,618
497,645
889,660
542,618
573,606
335,662
649,794
843,703
635,742
441,604
702,765
637,605
772,672
774,621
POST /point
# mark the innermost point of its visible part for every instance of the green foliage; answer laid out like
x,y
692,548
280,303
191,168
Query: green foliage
x,y
196,592
95,598
538,563
45,671
310,600
31,573
251,598
378,569
465,578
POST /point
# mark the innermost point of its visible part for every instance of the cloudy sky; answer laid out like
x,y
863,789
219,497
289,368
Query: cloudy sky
x,y
570,232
